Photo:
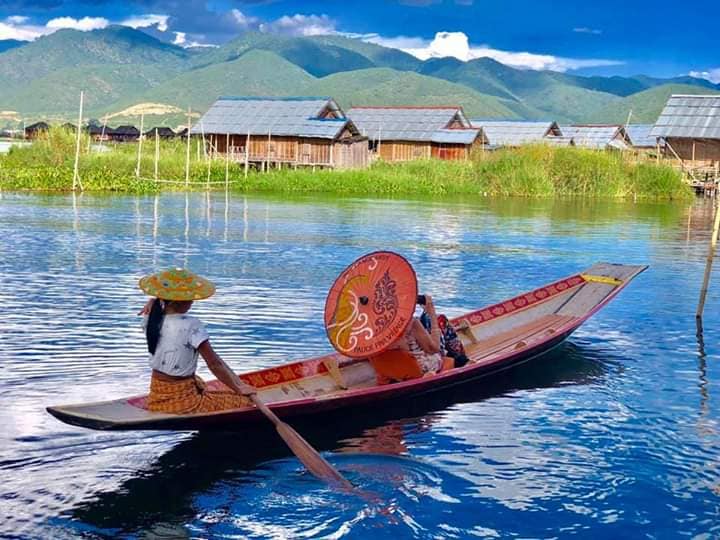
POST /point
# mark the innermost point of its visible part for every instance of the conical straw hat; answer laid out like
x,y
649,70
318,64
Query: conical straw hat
x,y
177,284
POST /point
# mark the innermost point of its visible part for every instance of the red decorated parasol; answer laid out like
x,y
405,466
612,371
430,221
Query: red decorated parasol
x,y
371,304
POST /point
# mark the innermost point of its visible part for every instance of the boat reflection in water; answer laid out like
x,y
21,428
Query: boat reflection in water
x,y
244,483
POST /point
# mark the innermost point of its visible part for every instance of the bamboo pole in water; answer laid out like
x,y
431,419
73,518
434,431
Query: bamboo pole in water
x,y
267,154
140,141
76,167
708,265
157,152
187,153
227,162
205,153
247,154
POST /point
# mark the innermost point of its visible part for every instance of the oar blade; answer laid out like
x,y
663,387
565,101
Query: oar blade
x,y
309,457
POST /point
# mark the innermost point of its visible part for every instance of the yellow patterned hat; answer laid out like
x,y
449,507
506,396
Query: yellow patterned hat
x,y
177,284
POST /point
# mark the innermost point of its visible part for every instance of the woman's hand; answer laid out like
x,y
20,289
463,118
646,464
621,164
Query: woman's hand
x,y
147,307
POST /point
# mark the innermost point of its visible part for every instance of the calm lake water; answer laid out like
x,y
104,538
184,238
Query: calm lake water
x,y
613,435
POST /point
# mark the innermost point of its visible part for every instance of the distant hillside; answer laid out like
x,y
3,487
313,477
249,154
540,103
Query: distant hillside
x,y
384,86
539,90
646,106
315,57
378,55
255,73
7,44
69,49
59,92
119,67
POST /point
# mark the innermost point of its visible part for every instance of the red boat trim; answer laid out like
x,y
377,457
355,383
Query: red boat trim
x,y
523,301
569,327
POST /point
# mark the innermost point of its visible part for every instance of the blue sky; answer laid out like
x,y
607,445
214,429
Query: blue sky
x,y
659,38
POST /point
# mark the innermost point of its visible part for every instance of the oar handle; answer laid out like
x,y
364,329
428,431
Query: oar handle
x,y
260,404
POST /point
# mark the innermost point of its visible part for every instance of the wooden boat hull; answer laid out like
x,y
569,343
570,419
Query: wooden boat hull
x,y
497,337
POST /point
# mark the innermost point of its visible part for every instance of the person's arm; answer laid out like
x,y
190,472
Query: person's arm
x,y
147,307
222,371
429,341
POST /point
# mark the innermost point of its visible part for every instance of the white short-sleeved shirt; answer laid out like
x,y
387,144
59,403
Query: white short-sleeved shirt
x,y
177,349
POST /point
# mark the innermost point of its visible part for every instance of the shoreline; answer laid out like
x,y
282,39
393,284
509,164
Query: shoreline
x,y
534,171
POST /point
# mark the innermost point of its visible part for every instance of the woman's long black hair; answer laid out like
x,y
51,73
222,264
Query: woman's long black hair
x,y
154,324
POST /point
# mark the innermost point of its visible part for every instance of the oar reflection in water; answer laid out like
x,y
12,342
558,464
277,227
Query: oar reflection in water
x,y
164,494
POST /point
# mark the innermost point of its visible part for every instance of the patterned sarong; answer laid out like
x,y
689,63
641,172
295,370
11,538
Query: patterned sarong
x,y
190,395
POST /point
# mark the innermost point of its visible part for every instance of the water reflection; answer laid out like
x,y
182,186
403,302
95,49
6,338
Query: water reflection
x,y
616,432
171,489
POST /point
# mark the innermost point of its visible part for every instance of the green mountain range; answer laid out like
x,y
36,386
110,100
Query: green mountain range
x,y
119,67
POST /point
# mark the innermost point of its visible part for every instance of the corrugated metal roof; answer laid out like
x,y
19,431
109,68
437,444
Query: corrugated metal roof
x,y
292,117
598,137
514,133
640,135
456,136
559,141
404,123
694,117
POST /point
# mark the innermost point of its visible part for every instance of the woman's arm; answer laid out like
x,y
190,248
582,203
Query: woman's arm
x,y
429,341
222,371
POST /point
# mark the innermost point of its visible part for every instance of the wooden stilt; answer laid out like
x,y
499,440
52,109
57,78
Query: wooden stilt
x,y
227,162
247,154
266,166
207,156
708,264
104,129
76,169
187,153
140,141
157,153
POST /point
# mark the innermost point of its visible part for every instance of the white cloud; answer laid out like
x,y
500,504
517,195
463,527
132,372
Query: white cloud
x,y
145,21
85,24
457,45
586,30
20,27
243,20
180,38
11,29
17,19
301,25
712,75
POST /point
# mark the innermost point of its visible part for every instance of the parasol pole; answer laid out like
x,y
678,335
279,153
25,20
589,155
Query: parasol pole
x,y
309,457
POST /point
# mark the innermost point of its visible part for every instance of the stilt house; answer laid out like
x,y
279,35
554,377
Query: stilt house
x,y
510,133
407,133
598,136
293,131
34,130
162,132
689,127
125,134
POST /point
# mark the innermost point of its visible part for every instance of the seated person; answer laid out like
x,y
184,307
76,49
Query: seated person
x,y
175,340
450,343
415,354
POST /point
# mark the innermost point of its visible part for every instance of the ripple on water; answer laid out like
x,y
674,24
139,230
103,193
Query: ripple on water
x,y
613,435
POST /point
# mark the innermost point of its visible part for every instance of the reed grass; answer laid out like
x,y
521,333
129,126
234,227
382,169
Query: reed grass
x,y
530,171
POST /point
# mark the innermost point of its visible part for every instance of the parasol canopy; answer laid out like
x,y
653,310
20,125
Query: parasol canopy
x,y
371,304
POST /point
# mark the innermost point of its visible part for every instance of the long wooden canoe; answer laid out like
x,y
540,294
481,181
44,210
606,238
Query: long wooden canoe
x,y
496,337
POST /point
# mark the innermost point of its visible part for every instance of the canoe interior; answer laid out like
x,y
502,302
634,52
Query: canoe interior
x,y
492,335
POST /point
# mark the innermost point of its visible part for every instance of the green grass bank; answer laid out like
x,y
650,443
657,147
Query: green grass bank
x,y
531,171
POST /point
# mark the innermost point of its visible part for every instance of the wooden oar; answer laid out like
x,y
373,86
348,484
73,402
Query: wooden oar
x,y
309,457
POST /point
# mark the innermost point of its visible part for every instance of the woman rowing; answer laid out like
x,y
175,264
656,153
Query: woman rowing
x,y
175,340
